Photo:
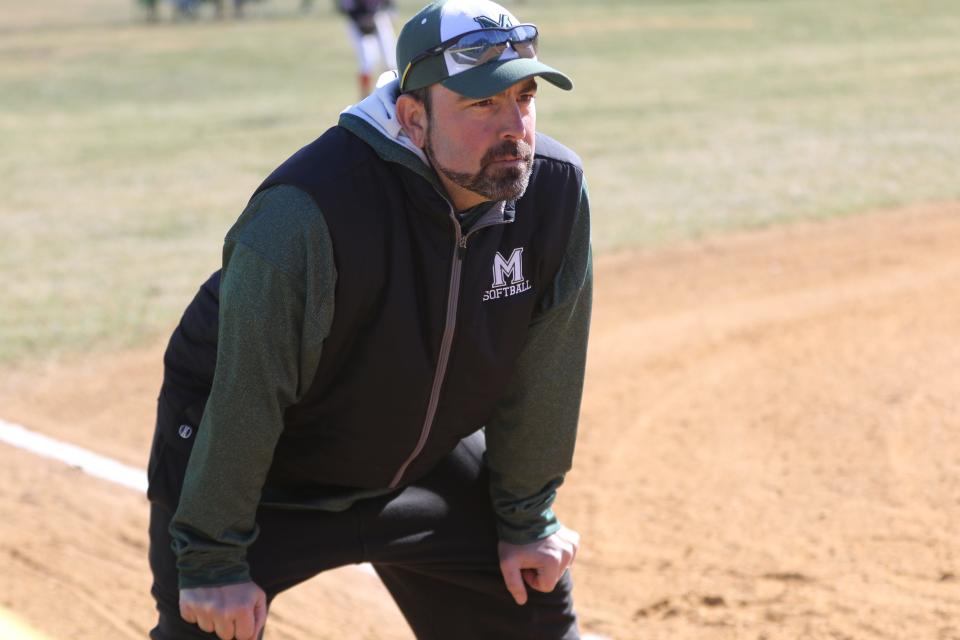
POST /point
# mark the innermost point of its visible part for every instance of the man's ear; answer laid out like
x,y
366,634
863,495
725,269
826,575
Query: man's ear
x,y
412,117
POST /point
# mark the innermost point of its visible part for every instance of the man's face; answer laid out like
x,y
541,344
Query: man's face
x,y
482,149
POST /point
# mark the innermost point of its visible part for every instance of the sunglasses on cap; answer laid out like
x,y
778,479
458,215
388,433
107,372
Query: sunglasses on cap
x,y
475,48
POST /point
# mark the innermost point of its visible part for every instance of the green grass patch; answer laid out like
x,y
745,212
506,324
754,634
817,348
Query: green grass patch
x,y
129,148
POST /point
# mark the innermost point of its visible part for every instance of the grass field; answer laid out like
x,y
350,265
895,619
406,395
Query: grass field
x,y
128,149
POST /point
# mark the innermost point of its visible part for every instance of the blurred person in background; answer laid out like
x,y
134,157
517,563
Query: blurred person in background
x,y
237,8
389,366
150,7
187,9
370,27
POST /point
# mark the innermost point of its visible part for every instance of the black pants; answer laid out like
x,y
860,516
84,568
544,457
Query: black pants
x,y
433,544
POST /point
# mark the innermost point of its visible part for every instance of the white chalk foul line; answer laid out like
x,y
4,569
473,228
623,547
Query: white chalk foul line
x,y
101,467
87,461
13,628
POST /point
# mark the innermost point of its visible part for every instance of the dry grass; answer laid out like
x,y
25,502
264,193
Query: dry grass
x,y
129,148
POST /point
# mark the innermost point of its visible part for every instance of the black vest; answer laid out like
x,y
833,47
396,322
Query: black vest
x,y
414,297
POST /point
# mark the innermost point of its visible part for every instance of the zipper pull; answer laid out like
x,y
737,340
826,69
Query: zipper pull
x,y
462,247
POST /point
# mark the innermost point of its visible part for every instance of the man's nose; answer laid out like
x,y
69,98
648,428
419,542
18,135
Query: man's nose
x,y
513,126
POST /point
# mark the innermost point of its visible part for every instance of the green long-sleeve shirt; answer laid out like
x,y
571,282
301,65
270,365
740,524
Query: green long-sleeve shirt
x,y
277,301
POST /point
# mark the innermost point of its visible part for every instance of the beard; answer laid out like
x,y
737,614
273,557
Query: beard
x,y
492,182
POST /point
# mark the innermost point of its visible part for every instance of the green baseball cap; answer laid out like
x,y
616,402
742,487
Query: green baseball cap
x,y
422,61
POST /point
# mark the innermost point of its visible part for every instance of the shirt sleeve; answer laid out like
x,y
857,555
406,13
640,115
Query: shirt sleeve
x,y
530,439
276,307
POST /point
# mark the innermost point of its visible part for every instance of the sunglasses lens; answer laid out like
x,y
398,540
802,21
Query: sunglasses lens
x,y
523,39
481,47
478,48
523,32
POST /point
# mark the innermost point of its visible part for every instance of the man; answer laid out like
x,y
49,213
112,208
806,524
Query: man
x,y
389,367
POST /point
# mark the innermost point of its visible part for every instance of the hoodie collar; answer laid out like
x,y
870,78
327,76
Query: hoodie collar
x,y
374,120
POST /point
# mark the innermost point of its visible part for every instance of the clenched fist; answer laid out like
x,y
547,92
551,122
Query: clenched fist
x,y
540,564
233,611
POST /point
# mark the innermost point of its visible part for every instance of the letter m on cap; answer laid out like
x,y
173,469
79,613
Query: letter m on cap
x,y
490,23
512,267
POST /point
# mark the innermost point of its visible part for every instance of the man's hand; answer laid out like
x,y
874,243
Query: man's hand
x,y
540,564
232,611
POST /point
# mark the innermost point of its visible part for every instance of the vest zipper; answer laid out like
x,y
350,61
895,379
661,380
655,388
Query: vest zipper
x,y
446,343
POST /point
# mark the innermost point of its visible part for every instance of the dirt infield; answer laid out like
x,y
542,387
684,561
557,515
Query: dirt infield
x,y
768,450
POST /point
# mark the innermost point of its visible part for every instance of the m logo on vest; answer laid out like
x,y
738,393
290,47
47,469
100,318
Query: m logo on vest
x,y
508,277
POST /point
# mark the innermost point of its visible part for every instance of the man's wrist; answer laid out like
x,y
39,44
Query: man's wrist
x,y
194,580
529,532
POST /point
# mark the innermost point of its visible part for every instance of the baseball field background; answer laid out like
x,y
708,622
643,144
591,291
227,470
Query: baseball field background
x,y
769,443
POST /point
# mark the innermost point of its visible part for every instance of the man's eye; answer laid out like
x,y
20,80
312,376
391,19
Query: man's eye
x,y
483,103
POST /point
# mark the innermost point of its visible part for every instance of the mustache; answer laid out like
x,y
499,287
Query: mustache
x,y
508,149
